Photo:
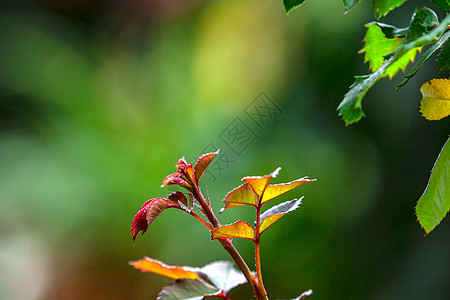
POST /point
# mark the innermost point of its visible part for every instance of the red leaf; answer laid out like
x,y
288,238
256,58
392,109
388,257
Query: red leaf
x,y
176,197
147,214
202,164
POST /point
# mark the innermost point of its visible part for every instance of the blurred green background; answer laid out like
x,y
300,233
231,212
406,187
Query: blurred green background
x,y
99,100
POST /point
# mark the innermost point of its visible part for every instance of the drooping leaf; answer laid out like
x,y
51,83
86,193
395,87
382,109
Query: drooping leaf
x,y
275,190
238,229
147,214
434,204
377,45
349,4
223,275
270,216
303,295
148,264
178,197
203,163
350,108
444,4
187,289
422,21
242,195
426,56
435,103
292,4
382,7
443,58
259,183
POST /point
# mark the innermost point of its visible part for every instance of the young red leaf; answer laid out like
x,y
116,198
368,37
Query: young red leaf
x,y
148,264
176,197
242,195
275,190
202,164
147,214
238,229
259,183
270,216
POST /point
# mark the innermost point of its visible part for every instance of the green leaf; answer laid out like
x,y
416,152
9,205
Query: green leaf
x,y
270,216
382,7
390,31
238,229
242,195
444,4
348,4
350,108
376,46
434,204
187,289
422,21
292,4
443,58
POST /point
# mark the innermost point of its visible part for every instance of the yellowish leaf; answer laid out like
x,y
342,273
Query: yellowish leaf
x,y
435,103
275,190
148,264
259,183
238,229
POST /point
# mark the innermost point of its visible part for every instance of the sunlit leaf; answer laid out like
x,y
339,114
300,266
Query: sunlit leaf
x,y
187,289
434,204
148,264
440,62
444,4
435,103
259,183
270,216
443,58
147,214
223,275
238,229
350,108
242,195
203,163
349,4
382,7
292,4
275,190
377,45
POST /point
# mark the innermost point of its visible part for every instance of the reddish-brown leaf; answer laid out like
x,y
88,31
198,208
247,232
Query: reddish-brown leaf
x,y
242,195
176,197
238,229
147,214
259,183
275,190
202,164
155,266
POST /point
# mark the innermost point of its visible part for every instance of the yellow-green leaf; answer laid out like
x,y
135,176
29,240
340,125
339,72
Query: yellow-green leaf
x,y
275,190
377,45
242,195
238,229
259,183
435,103
148,264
